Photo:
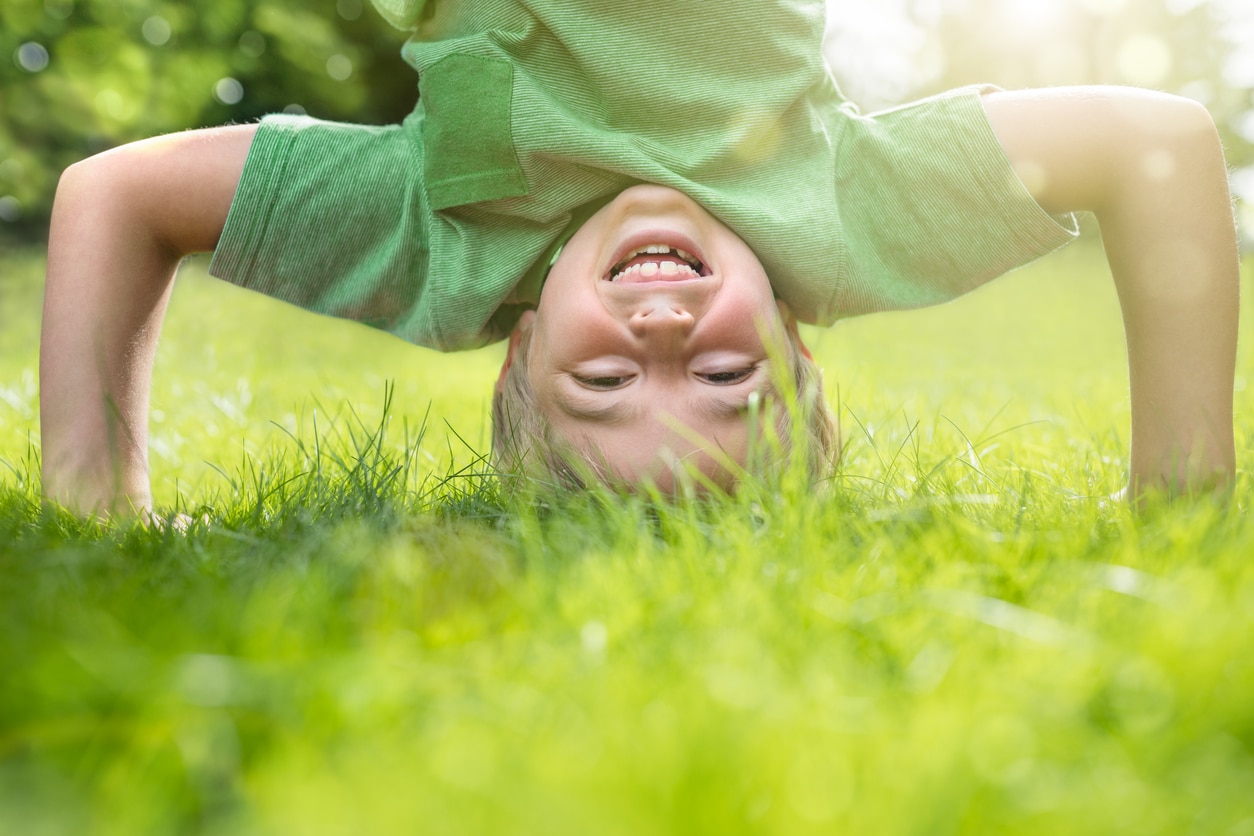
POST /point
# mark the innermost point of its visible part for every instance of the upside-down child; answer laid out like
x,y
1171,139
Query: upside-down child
x,y
644,199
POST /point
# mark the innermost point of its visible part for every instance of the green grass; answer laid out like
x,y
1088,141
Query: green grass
x,y
958,635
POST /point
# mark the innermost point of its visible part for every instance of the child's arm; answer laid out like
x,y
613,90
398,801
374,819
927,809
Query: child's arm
x,y
121,222
1151,168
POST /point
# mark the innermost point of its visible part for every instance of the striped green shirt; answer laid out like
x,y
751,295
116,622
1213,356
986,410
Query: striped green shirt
x,y
533,113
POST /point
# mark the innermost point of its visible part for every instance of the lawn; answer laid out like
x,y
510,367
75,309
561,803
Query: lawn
x,y
959,633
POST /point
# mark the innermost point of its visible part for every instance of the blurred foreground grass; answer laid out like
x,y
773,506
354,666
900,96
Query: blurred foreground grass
x,y
958,635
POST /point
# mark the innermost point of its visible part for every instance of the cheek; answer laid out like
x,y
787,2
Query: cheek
x,y
575,337
746,320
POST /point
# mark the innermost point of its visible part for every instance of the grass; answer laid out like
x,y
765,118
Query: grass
x,y
959,635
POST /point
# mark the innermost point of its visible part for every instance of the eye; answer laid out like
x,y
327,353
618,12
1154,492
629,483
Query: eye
x,y
728,378
608,382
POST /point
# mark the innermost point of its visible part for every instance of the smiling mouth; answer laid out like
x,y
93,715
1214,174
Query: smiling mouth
x,y
657,263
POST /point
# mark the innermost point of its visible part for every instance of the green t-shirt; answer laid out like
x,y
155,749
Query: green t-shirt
x,y
533,113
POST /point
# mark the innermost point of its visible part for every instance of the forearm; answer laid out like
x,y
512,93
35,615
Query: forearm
x,y
106,291
1171,243
1150,167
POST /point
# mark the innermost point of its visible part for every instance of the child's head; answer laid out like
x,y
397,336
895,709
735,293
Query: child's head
x,y
656,332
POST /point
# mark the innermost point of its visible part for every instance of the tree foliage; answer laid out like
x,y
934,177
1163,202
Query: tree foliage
x,y
79,76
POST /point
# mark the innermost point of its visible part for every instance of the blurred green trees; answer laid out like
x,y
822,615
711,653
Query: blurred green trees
x,y
79,76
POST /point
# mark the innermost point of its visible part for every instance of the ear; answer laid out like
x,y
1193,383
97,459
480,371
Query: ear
x,y
790,325
525,323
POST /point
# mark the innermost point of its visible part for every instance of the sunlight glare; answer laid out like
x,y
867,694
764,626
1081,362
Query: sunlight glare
x,y
1144,59
1181,7
879,54
1062,61
1102,8
1032,16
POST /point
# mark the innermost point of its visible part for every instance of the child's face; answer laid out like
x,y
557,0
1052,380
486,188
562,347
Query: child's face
x,y
647,359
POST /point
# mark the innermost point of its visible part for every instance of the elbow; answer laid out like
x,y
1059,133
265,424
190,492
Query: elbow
x,y
86,181
1172,136
83,197
1181,116
73,189
106,198
1159,143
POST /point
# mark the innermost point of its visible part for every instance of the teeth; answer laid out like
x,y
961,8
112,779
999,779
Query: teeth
x,y
650,269
659,249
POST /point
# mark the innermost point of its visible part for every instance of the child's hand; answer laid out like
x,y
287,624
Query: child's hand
x,y
178,522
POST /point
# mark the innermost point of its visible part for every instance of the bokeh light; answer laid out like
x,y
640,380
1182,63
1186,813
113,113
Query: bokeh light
x,y
888,52
340,67
252,43
10,209
112,105
228,91
349,9
156,30
104,73
58,9
32,57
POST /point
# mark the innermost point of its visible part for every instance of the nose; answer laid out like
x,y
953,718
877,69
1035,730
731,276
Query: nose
x,y
662,319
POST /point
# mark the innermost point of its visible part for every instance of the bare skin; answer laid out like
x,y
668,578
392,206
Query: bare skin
x,y
1148,165
121,223
623,363
1151,168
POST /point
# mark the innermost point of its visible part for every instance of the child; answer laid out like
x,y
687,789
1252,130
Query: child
x,y
553,141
